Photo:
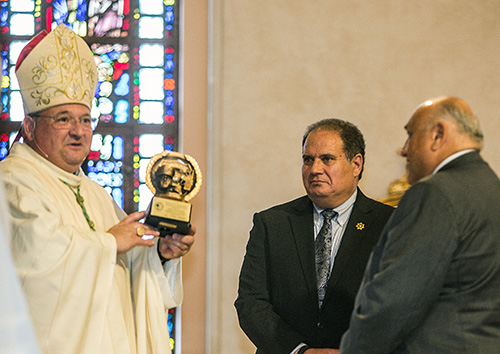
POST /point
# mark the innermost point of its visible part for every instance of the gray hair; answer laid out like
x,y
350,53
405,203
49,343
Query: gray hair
x,y
460,111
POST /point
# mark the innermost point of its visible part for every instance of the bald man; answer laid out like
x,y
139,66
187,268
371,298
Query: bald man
x,y
432,283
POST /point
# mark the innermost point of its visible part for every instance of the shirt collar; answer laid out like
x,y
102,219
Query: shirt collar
x,y
451,158
343,210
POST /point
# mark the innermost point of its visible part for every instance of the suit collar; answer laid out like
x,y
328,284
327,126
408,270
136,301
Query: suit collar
x,y
451,158
467,158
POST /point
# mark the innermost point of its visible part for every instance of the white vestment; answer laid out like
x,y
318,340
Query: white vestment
x,y
16,332
82,297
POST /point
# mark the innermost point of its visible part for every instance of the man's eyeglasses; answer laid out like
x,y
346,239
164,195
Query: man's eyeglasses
x,y
65,121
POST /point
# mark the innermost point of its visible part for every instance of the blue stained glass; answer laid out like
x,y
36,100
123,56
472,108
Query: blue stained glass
x,y
4,15
169,65
169,101
121,111
60,11
123,85
5,62
169,17
170,324
106,58
118,148
117,194
81,11
104,166
5,102
113,55
106,179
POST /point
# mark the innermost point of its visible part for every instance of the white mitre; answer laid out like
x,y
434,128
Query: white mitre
x,y
56,68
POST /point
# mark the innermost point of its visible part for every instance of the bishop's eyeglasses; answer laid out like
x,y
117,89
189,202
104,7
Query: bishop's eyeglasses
x,y
66,121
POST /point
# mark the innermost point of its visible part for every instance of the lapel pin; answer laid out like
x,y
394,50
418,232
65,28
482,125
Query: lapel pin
x,y
360,226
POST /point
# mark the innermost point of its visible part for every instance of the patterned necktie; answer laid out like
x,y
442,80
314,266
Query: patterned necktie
x,y
323,246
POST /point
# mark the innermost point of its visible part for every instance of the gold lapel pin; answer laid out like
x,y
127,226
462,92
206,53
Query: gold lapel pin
x,y
360,226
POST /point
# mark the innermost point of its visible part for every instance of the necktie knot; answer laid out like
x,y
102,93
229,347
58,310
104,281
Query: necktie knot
x,y
328,214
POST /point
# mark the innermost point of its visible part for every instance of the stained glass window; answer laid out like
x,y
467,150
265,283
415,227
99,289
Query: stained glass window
x,y
135,43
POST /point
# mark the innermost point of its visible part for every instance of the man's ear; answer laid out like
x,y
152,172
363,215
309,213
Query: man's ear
x,y
29,128
439,134
357,163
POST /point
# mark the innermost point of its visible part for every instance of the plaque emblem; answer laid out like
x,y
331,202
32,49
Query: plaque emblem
x,y
174,179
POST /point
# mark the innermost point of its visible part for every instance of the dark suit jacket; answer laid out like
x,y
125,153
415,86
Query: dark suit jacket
x,y
277,300
432,285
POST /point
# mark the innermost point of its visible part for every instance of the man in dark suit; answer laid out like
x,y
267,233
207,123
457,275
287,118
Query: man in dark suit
x,y
279,304
432,284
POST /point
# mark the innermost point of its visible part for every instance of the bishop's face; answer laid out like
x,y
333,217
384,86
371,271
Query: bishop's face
x,y
61,134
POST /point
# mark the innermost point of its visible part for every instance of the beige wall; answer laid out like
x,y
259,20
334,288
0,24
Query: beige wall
x,y
194,142
275,66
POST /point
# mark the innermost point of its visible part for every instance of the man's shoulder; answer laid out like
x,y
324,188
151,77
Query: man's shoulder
x,y
296,205
14,167
362,201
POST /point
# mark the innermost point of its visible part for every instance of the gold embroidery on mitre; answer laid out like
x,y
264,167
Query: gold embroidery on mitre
x,y
62,71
